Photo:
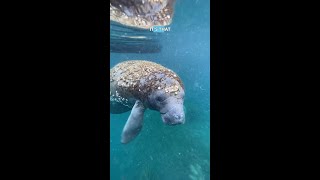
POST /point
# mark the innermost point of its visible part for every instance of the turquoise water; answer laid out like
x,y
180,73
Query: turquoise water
x,y
172,152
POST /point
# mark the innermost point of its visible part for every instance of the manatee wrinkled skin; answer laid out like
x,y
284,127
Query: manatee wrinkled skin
x,y
137,85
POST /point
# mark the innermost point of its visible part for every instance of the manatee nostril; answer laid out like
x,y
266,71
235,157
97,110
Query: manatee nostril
x,y
179,118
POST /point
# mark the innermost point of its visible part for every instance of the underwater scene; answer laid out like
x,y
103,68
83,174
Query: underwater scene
x,y
159,151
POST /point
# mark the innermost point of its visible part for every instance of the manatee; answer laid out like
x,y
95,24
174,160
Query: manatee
x,y
138,85
142,13
131,22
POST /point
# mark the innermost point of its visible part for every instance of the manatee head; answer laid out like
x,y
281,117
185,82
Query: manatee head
x,y
170,105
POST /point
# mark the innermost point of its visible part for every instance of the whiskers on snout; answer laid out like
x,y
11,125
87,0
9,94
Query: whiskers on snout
x,y
175,119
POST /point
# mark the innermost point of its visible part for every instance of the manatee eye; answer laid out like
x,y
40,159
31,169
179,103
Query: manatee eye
x,y
160,98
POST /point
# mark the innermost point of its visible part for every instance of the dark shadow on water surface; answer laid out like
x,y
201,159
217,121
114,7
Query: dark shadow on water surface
x,y
132,40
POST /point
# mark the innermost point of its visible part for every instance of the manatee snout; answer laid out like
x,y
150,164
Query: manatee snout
x,y
174,116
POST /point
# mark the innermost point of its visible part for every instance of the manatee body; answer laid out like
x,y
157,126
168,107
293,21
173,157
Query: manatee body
x,y
142,14
138,85
131,22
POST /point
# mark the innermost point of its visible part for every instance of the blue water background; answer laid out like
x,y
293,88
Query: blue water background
x,y
166,152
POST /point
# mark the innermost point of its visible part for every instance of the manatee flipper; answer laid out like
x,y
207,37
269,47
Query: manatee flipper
x,y
133,125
